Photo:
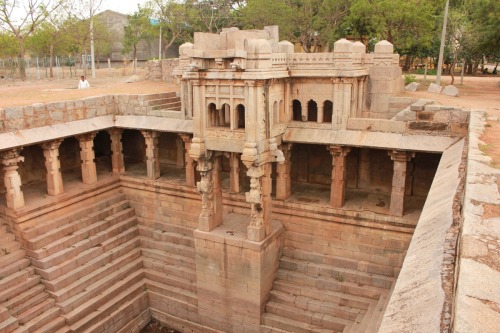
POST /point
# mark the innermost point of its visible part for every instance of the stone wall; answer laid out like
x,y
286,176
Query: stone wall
x,y
421,298
161,70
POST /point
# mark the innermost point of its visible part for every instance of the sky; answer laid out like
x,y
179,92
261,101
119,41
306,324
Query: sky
x,y
121,6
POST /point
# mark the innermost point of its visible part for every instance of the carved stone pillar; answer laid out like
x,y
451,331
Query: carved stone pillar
x,y
321,112
89,171
400,159
283,175
189,162
339,175
117,163
12,180
234,174
53,167
217,181
209,219
259,197
152,160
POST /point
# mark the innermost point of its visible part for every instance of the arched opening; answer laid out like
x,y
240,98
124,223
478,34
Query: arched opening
x,y
240,116
225,116
327,111
312,111
212,115
102,150
276,116
297,110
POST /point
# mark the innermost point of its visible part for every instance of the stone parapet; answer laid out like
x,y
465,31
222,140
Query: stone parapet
x,y
477,294
420,300
161,70
41,115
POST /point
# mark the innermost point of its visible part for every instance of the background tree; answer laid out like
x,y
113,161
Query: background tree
x,y
21,18
174,19
139,29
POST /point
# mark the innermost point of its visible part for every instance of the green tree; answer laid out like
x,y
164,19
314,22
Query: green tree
x,y
174,19
8,45
22,18
139,29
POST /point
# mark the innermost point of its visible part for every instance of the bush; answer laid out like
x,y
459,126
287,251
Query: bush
x,y
409,79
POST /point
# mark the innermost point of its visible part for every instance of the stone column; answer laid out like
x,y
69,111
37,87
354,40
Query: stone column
x,y
12,180
208,220
400,159
339,175
321,112
283,175
259,197
152,160
89,171
234,174
189,162
217,181
53,167
117,163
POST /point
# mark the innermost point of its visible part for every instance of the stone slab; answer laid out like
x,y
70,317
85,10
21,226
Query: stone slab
x,y
412,86
418,298
380,140
434,88
477,291
31,136
155,123
450,91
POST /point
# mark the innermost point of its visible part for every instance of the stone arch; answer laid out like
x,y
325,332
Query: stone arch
x,y
240,116
296,110
312,111
327,111
212,115
276,116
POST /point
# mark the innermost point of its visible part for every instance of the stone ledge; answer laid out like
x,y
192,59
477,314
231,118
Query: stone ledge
x,y
418,299
477,293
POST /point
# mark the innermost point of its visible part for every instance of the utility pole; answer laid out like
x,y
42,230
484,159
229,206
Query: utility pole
x,y
441,48
92,56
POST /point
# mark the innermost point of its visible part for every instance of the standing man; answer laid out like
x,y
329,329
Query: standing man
x,y
83,84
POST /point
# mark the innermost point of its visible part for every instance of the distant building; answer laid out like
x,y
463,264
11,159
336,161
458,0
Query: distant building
x,y
116,23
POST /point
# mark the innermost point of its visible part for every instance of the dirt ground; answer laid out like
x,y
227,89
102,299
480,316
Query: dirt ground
x,y
156,327
480,92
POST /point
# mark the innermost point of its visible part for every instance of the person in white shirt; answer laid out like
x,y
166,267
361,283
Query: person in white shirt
x,y
83,84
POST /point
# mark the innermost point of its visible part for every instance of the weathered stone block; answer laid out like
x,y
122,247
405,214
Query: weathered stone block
x,y
425,115
450,91
434,88
427,126
461,129
14,112
412,86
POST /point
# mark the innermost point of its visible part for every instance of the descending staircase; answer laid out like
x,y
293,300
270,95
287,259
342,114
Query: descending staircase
x,y
165,101
90,263
25,304
340,287
169,268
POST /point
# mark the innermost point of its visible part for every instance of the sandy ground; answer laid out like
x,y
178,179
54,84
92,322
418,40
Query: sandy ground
x,y
482,92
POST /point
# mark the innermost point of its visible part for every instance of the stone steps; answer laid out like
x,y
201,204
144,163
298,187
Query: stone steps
x,y
42,310
342,262
170,248
99,251
23,299
20,287
9,325
138,323
163,100
167,227
173,285
127,313
77,282
100,233
70,233
345,274
168,269
16,266
290,325
171,106
66,215
99,311
80,311
7,260
166,258
166,236
89,291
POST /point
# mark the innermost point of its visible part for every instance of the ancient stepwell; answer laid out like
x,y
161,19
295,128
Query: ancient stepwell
x,y
273,192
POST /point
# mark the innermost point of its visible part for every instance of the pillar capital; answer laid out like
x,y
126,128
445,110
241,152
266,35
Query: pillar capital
x,y
401,156
185,137
86,136
149,134
115,131
12,157
51,145
339,151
